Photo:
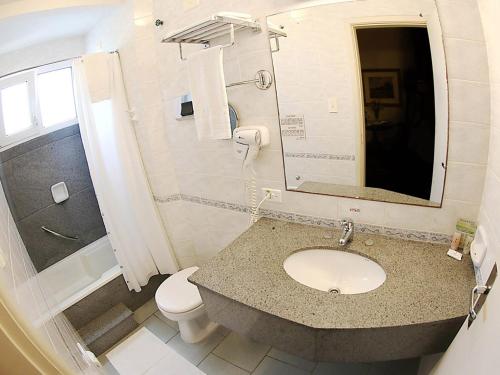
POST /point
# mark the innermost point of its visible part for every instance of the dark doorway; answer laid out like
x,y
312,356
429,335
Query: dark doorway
x,y
398,92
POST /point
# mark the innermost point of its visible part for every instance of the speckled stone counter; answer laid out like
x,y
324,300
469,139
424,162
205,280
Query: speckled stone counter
x,y
417,310
369,193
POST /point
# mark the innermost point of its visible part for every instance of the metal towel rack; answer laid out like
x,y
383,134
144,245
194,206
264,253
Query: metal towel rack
x,y
217,26
213,27
59,235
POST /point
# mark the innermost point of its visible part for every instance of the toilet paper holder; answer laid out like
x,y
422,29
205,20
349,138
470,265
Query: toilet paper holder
x,y
477,290
478,296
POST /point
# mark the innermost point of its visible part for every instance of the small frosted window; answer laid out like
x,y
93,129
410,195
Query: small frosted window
x,y
55,94
16,111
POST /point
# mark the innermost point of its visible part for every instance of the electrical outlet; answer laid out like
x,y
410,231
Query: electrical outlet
x,y
275,194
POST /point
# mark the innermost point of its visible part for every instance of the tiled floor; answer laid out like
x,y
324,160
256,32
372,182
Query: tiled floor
x,y
227,353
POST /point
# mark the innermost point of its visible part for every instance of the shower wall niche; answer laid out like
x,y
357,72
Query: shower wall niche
x,y
27,172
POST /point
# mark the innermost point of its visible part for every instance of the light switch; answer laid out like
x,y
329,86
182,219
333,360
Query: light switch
x,y
332,105
190,4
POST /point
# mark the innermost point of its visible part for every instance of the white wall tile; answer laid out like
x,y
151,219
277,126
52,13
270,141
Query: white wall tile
x,y
468,143
471,187
460,19
469,101
472,68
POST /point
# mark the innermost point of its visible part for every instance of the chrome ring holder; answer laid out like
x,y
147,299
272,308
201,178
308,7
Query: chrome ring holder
x,y
477,290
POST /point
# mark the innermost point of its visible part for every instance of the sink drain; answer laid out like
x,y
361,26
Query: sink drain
x,y
334,290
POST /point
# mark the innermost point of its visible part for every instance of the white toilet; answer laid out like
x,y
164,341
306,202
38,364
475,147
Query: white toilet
x,y
180,301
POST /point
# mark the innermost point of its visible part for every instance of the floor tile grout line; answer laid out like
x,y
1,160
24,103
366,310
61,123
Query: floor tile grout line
x,y
211,351
149,316
199,363
234,364
216,346
315,368
154,364
170,339
291,364
262,360
175,328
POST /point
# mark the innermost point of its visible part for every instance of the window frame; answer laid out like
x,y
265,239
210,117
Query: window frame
x,y
52,68
29,77
38,129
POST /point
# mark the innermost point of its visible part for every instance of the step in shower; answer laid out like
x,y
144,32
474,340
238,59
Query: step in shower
x,y
107,329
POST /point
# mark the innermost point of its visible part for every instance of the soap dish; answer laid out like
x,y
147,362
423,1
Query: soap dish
x,y
59,192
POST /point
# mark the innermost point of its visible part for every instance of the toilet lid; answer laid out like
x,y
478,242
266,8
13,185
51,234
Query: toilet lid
x,y
176,294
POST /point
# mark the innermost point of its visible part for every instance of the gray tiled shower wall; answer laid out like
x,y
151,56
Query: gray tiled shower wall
x,y
27,171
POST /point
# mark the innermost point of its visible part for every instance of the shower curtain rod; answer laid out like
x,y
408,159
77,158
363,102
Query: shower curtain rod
x,y
53,62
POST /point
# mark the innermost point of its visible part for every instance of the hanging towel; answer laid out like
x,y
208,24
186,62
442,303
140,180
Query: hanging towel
x,y
97,66
208,90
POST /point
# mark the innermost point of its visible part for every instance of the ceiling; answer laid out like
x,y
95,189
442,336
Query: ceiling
x,y
24,30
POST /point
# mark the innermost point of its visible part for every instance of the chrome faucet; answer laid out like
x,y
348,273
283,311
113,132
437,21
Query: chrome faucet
x,y
347,231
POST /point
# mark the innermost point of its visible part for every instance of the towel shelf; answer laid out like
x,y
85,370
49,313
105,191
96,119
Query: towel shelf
x,y
212,28
216,26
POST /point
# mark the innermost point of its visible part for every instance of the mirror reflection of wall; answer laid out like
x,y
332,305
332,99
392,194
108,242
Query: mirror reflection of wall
x,y
358,113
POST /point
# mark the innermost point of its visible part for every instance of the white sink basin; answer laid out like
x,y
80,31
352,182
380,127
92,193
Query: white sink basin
x,y
334,271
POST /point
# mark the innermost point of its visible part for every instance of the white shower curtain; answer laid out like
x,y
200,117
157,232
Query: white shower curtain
x,y
129,212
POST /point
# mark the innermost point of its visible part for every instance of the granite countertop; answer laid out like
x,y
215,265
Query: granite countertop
x,y
369,193
423,284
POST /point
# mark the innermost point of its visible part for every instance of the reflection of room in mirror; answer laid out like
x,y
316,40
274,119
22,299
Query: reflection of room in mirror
x,y
398,95
385,138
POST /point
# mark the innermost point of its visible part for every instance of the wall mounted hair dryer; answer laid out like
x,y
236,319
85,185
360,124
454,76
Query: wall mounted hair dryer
x,y
247,141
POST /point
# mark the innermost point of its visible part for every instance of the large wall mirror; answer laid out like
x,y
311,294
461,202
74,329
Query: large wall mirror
x,y
363,100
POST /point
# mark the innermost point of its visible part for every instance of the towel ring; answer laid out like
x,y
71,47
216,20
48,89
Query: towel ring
x,y
263,80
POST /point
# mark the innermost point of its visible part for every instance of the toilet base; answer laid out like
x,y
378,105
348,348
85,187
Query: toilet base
x,y
196,330
194,326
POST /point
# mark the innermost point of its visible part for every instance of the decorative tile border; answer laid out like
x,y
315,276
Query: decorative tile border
x,y
404,234
407,234
369,229
311,155
168,198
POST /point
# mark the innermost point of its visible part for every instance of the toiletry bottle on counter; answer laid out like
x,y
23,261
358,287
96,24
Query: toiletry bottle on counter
x,y
467,228
467,243
455,240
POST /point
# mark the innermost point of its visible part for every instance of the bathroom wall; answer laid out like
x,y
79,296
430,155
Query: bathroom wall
x,y
27,172
208,210
40,54
475,351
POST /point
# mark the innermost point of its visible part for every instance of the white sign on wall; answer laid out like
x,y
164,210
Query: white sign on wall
x,y
293,126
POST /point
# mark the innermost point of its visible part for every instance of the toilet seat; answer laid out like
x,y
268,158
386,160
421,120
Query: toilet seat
x,y
177,295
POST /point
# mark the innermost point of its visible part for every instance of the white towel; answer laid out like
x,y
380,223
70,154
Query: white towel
x,y
96,65
208,90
